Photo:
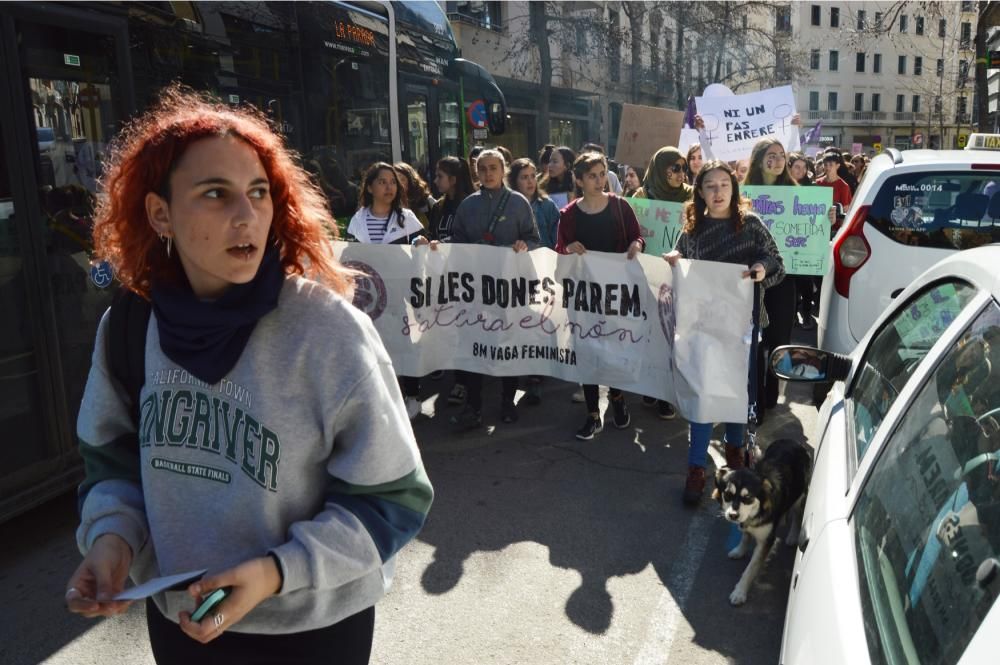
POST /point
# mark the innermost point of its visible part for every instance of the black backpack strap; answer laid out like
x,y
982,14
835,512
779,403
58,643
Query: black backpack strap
x,y
126,344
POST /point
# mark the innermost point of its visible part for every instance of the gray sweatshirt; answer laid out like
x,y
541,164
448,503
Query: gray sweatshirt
x,y
474,214
304,450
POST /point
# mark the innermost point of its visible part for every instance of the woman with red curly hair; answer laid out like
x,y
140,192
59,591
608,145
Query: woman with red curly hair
x,y
272,446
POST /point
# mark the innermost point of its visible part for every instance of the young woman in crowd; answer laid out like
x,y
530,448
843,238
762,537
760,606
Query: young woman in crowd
x,y
599,221
498,216
558,178
523,178
717,227
614,184
741,168
798,168
454,183
860,164
633,180
209,217
416,194
769,167
846,172
384,219
694,162
833,170
806,286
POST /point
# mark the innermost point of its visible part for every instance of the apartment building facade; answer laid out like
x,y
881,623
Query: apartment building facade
x,y
593,75
899,75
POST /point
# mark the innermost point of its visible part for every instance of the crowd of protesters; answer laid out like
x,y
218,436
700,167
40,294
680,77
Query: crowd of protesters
x,y
491,185
228,252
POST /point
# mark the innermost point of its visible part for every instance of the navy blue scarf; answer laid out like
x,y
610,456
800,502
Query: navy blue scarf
x,y
207,338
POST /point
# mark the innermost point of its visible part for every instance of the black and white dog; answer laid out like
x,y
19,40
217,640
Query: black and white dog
x,y
758,499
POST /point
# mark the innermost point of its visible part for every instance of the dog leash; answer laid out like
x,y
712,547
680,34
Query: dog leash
x,y
750,439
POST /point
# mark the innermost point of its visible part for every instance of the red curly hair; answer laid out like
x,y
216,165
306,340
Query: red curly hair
x,y
144,156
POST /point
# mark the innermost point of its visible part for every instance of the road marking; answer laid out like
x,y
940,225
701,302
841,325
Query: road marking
x,y
669,609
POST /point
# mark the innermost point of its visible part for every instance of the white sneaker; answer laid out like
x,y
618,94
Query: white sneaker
x,y
578,397
413,407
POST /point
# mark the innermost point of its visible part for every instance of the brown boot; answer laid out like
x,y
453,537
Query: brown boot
x,y
694,487
735,457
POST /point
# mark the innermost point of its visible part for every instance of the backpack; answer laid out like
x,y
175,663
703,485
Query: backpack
x,y
126,344
125,350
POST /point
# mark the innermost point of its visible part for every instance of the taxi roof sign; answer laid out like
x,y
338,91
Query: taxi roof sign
x,y
983,142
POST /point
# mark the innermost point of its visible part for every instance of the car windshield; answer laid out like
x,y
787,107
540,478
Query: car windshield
x,y
949,210
928,518
894,352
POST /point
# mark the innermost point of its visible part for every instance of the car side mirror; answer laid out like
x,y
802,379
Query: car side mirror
x,y
496,120
806,364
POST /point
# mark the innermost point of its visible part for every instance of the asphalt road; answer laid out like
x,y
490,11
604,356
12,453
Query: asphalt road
x,y
539,549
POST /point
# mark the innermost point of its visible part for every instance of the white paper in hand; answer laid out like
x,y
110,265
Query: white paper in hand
x,y
158,584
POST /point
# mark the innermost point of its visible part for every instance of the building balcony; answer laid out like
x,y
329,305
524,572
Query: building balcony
x,y
866,116
861,118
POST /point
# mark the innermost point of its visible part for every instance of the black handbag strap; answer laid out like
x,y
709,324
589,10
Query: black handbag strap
x,y
504,197
126,344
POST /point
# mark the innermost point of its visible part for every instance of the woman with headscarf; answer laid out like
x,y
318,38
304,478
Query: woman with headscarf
x,y
665,180
666,177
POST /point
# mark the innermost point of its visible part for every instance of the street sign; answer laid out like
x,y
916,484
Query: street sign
x,y
480,134
477,114
963,139
918,138
877,147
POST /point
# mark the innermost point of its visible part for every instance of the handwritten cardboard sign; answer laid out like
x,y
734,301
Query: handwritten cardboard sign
x,y
644,130
734,124
660,223
797,218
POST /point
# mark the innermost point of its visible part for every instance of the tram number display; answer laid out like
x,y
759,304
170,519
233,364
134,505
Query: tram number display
x,y
349,32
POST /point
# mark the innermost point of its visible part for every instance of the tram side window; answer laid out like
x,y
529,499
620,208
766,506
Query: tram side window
x,y
349,114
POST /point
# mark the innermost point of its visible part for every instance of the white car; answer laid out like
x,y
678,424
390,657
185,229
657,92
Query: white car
x,y
911,209
899,558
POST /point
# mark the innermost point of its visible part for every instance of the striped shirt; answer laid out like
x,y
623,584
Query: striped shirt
x,y
376,227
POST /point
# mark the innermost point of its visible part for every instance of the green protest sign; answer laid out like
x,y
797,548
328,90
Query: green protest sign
x,y
797,218
660,223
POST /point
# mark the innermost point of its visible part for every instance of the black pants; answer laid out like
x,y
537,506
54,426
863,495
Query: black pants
x,y
592,396
807,291
779,301
348,642
474,386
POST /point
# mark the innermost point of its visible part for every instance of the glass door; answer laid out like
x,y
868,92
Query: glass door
x,y
72,81
417,136
25,442
64,92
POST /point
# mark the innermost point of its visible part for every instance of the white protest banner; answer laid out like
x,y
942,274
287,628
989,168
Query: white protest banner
x,y
597,318
734,124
